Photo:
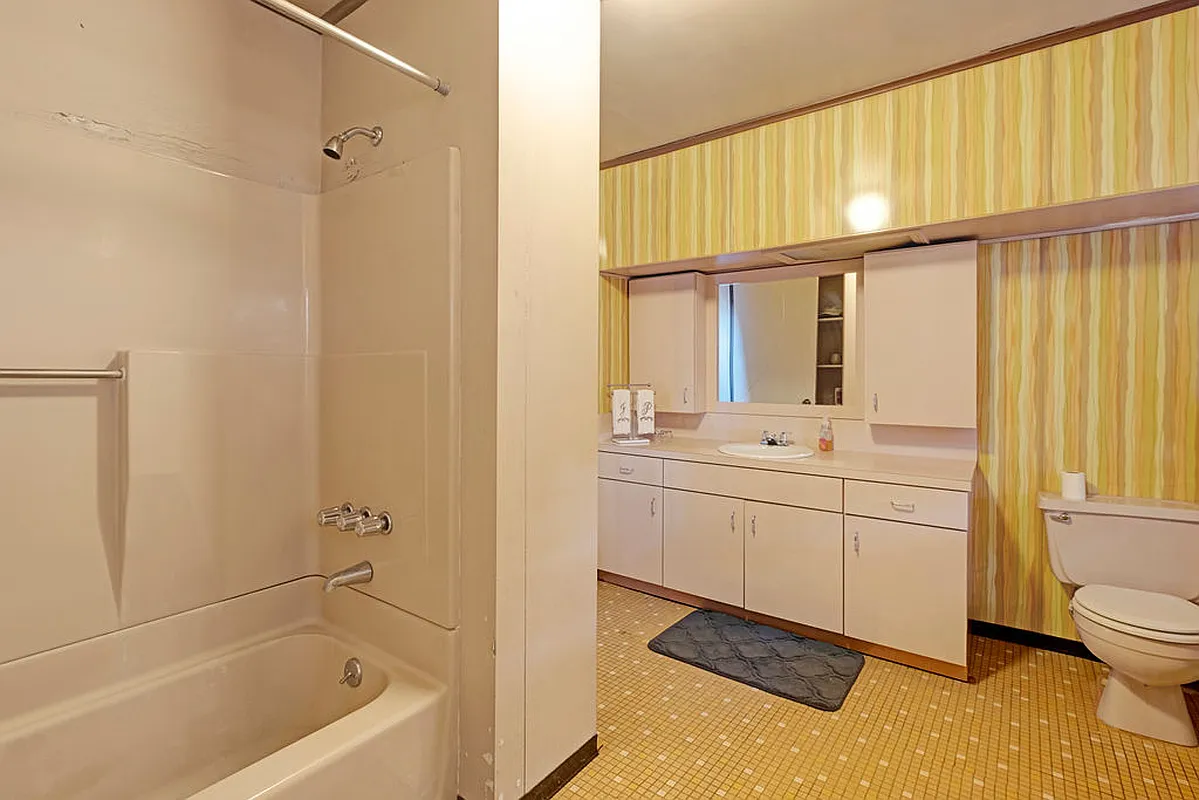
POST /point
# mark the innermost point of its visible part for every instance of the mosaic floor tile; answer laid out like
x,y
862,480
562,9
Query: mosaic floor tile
x,y
1025,727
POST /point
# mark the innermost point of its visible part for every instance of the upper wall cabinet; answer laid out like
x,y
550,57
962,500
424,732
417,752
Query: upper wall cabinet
x,y
921,336
666,337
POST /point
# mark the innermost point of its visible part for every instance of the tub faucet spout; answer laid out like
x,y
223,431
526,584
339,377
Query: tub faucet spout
x,y
362,572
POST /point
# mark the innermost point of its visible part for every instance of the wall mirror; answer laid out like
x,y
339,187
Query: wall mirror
x,y
788,341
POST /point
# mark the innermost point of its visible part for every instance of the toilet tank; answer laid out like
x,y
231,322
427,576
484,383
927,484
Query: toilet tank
x,y
1152,545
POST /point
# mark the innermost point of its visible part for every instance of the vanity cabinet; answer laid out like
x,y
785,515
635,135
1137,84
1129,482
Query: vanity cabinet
x,y
905,587
666,335
793,564
874,565
703,545
630,529
921,336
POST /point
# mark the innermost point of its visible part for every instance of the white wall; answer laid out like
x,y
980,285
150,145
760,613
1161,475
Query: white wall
x,y
548,212
152,199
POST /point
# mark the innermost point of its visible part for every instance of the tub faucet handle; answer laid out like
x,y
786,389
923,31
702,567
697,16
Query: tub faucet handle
x,y
348,522
374,526
330,516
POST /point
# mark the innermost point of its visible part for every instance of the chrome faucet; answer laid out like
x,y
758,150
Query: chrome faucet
x,y
775,439
362,572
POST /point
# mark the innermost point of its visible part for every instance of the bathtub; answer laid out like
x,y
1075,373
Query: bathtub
x,y
260,717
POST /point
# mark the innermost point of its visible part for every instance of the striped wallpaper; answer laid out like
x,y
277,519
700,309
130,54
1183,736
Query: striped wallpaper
x,y
614,336
1088,360
1110,114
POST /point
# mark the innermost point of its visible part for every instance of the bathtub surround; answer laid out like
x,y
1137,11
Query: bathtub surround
x,y
154,205
495,537
162,212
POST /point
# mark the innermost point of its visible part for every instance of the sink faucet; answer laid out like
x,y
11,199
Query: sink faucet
x,y
362,572
775,439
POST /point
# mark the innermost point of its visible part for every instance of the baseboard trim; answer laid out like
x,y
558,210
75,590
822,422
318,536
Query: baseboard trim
x,y
1038,641
949,670
565,771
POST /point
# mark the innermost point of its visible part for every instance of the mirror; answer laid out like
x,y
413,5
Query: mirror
x,y
786,339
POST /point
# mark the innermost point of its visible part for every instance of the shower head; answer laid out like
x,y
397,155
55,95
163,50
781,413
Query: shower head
x,y
334,146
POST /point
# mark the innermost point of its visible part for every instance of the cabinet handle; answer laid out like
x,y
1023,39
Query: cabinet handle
x,y
733,522
876,401
626,470
857,543
653,502
753,524
907,508
684,395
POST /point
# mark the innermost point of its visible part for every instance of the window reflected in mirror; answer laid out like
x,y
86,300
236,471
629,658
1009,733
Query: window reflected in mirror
x,y
782,341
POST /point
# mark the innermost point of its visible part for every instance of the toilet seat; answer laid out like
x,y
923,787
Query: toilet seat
x,y
1150,615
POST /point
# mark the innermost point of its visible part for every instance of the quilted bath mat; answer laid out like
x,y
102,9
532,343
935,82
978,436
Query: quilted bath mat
x,y
814,673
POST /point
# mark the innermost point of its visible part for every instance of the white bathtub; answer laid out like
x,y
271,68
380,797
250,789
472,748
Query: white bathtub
x,y
260,717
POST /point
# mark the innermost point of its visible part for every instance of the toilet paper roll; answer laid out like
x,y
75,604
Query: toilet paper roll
x,y
1074,486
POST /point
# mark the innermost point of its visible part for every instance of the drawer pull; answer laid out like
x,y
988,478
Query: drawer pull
x,y
753,524
907,508
733,522
653,506
857,543
626,470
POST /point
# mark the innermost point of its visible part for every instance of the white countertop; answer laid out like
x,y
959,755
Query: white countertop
x,y
935,473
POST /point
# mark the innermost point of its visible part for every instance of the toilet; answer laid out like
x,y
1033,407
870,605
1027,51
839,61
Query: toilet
x,y
1135,566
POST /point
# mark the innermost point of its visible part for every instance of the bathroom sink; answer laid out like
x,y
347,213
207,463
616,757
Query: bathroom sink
x,y
765,452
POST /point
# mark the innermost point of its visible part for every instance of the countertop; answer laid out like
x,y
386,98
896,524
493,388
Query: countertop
x,y
935,473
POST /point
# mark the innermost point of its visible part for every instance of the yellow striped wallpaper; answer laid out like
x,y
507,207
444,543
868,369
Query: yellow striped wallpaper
x,y
1088,360
1110,114
614,336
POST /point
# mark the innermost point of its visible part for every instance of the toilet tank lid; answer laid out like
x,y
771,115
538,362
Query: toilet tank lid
x,y
1145,508
1149,610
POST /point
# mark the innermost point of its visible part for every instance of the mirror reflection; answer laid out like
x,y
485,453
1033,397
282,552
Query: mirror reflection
x,y
782,341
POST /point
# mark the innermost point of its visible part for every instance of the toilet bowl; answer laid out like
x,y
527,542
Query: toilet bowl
x,y
1135,564
1151,643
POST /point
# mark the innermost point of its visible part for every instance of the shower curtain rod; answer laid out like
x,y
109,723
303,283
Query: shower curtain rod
x,y
314,23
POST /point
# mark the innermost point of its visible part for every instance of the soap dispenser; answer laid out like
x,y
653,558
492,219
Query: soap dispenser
x,y
826,435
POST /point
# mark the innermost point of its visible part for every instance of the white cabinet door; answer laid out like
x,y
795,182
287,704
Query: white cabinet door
x,y
921,336
703,545
630,530
665,340
793,563
905,587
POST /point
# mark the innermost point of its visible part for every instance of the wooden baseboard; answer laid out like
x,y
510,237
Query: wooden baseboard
x,y
565,771
925,663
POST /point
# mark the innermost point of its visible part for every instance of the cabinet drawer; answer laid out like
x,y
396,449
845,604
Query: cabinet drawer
x,y
913,504
634,469
783,488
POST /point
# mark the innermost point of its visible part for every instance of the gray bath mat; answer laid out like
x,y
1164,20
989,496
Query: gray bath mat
x,y
814,673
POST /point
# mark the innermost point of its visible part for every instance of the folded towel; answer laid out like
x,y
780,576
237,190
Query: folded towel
x,y
645,412
622,418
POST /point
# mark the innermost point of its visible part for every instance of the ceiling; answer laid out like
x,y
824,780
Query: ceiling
x,y
675,68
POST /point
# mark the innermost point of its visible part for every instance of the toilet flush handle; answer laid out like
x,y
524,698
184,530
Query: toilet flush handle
x,y
1060,516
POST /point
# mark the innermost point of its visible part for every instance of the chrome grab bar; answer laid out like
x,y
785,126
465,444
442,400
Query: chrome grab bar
x,y
62,374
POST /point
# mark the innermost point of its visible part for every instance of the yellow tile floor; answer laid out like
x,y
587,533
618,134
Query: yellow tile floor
x,y
1025,727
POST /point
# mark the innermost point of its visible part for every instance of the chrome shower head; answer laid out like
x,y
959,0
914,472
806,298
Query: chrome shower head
x,y
334,146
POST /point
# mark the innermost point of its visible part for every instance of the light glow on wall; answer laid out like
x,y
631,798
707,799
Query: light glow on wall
x,y
868,212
